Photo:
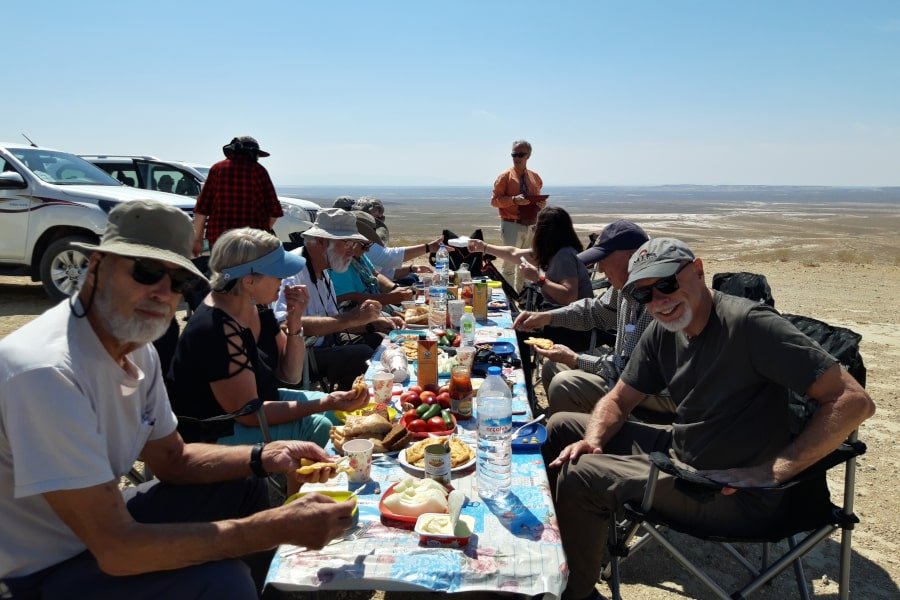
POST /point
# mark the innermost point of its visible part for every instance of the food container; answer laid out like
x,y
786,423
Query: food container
x,y
434,530
338,495
392,519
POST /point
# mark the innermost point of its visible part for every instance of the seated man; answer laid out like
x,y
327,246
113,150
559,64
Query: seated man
x,y
575,382
85,369
374,207
389,261
361,281
343,341
165,184
727,362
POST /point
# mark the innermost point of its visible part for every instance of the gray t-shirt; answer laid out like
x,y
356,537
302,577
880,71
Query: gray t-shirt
x,y
70,418
729,382
565,264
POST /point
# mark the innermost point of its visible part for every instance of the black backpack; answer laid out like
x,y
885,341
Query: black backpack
x,y
841,343
746,285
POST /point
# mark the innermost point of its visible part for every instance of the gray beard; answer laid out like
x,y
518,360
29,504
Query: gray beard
x,y
136,330
682,321
337,262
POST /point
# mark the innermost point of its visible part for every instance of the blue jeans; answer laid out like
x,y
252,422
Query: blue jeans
x,y
156,502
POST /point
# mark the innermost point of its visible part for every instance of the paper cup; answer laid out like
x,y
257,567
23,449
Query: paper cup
x,y
456,308
383,383
465,355
360,454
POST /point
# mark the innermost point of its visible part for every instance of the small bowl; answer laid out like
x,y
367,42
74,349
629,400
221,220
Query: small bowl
x,y
503,348
338,495
444,539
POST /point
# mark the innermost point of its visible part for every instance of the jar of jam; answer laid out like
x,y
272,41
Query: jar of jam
x,y
461,393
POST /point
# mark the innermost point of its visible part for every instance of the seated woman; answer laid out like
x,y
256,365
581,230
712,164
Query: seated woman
x,y
233,351
552,263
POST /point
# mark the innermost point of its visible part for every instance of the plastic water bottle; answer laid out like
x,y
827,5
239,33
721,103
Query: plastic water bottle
x,y
442,262
494,459
467,328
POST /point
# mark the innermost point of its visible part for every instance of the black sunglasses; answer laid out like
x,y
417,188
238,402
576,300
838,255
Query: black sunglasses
x,y
151,272
365,247
666,285
519,154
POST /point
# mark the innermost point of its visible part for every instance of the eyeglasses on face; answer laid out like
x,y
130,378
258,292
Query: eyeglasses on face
x,y
666,285
519,154
365,247
150,272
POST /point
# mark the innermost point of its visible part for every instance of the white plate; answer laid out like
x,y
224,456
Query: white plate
x,y
460,242
401,458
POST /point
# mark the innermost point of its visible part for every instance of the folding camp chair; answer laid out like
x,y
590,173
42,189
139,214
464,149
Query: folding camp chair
x,y
746,285
809,510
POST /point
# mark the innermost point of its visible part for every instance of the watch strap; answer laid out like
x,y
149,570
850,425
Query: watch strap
x,y
256,460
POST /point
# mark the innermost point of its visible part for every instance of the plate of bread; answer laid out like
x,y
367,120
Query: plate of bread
x,y
387,437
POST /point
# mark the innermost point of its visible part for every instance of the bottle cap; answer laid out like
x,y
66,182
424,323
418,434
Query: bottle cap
x,y
468,309
494,371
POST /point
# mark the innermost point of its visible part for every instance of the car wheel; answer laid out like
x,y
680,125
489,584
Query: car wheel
x,y
63,265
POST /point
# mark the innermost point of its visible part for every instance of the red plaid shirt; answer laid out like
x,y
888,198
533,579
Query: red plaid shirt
x,y
237,193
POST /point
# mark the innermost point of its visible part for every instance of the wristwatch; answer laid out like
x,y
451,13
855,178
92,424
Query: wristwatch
x,y
256,460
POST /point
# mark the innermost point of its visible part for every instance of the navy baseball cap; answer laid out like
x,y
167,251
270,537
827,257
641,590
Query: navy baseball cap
x,y
618,235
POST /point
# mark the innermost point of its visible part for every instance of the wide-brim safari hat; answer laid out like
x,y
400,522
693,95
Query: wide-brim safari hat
x,y
335,224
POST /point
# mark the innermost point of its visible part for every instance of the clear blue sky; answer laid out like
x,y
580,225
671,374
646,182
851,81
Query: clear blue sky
x,y
382,92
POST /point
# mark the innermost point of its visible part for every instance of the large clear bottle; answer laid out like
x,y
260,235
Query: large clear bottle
x,y
437,293
494,458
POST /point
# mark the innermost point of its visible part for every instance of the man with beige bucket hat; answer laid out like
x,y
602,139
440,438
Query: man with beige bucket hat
x,y
82,397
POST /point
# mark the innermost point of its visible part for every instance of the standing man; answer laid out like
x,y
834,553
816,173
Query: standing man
x,y
728,363
237,193
86,370
514,195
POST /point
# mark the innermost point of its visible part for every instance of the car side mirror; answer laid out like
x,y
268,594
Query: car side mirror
x,y
12,181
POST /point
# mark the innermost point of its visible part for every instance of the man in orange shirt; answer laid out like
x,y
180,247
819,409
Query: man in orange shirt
x,y
514,195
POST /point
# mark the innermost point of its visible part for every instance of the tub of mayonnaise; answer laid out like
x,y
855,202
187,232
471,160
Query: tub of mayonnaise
x,y
434,530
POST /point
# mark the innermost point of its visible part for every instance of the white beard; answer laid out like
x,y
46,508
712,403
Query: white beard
x,y
136,330
337,262
683,321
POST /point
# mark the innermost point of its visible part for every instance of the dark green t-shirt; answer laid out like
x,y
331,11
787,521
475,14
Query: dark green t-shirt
x,y
730,382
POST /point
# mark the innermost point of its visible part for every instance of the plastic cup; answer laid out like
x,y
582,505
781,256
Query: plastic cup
x,y
437,318
465,355
359,452
382,383
408,304
455,308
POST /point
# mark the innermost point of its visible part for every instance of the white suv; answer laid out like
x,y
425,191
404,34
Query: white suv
x,y
50,199
183,178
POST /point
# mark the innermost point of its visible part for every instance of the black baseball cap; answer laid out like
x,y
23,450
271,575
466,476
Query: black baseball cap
x,y
618,235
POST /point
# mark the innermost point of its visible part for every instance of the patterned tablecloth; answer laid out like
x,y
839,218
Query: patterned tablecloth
x,y
515,548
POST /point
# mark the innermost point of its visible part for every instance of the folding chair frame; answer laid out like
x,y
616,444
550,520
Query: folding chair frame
x,y
641,517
